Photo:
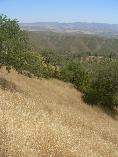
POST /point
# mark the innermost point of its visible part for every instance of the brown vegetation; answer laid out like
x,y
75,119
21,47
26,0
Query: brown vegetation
x,y
47,118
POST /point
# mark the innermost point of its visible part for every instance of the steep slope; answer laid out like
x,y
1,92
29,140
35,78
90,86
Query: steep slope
x,y
47,118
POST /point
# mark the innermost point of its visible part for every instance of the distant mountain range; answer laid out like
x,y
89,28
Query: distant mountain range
x,y
110,30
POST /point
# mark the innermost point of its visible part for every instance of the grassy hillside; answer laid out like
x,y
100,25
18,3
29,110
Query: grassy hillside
x,y
47,118
74,44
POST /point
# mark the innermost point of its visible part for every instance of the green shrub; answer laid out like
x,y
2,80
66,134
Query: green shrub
x,y
74,72
103,85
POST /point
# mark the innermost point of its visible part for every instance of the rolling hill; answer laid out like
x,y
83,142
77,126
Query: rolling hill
x,y
47,118
74,44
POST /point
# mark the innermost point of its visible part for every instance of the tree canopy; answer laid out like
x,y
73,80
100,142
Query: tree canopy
x,y
13,43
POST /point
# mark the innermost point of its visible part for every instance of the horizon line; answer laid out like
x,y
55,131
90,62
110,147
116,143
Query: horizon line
x,y
68,22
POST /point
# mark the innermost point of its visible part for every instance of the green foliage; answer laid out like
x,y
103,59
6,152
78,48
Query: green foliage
x,y
34,65
74,72
51,57
13,43
15,52
103,85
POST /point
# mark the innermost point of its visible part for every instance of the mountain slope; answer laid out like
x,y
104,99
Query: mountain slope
x,y
74,44
47,118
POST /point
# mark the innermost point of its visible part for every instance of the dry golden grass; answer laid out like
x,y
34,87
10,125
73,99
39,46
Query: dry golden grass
x,y
47,118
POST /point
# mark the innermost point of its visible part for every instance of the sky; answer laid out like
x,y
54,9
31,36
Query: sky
x,y
95,11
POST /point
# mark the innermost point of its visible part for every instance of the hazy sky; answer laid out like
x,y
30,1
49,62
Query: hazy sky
x,y
104,11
